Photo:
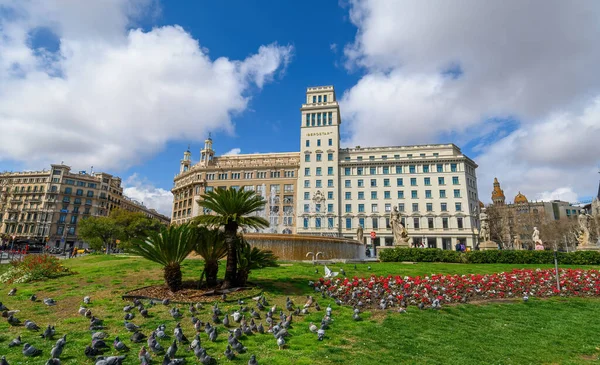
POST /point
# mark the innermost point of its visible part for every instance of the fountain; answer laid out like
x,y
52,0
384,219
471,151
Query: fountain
x,y
278,236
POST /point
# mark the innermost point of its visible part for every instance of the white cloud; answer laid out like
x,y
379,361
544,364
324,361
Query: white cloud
x,y
233,151
437,71
141,190
112,96
564,194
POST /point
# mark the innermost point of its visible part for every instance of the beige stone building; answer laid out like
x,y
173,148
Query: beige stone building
x,y
46,206
273,175
328,190
135,206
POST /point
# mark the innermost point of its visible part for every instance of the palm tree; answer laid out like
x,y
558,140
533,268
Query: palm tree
x,y
210,244
169,247
250,258
232,208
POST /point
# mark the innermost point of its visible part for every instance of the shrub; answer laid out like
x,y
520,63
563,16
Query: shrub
x,y
489,257
34,267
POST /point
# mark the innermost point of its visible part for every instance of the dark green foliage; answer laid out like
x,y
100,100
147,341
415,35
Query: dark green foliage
x,y
250,258
489,257
210,244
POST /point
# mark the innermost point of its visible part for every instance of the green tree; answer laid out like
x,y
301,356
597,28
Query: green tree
x,y
169,247
133,225
232,208
250,258
210,244
99,231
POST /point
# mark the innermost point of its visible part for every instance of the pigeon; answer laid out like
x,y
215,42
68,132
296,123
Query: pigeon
x,y
156,347
15,342
48,333
260,306
129,316
356,317
224,297
137,337
321,333
237,316
329,273
88,314
421,305
238,347
175,313
216,309
206,359
119,345
49,301
87,300
30,325
226,320
56,352
12,292
131,327
312,327
260,329
355,267
216,319
237,333
144,313
317,307
82,310
95,322
195,342
369,267
401,310
328,310
127,308
31,351
166,301
180,336
192,309
99,344
199,306
342,271
99,335
91,352
228,353
53,361
212,336
252,360
436,304
3,307
3,360
144,356
280,342
172,350
33,298
13,321
62,341
111,360
316,271
168,361
160,331
525,298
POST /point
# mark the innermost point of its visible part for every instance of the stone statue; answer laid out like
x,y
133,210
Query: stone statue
x,y
517,244
584,228
484,231
535,237
398,230
359,234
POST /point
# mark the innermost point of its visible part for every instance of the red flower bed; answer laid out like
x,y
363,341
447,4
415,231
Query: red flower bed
x,y
400,291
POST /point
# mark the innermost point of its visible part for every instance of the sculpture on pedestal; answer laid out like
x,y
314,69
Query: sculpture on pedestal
x,y
535,237
517,245
359,234
398,230
484,231
584,228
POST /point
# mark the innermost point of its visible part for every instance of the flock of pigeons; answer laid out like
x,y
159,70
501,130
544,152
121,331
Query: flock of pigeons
x,y
243,321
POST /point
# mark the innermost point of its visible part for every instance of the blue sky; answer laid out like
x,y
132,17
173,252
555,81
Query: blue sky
x,y
126,85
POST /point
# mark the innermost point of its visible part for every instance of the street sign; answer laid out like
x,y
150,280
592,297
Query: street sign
x,y
373,234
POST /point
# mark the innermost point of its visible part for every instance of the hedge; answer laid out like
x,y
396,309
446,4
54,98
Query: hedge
x,y
489,257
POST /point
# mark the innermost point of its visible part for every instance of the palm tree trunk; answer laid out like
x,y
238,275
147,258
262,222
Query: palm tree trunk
x,y
242,277
231,268
173,277
211,268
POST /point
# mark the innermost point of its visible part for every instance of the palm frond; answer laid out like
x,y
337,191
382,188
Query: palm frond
x,y
169,246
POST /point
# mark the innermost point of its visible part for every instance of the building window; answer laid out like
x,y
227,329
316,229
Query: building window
x,y
453,167
68,190
444,207
427,181
330,183
307,183
307,158
416,223
361,208
399,181
400,194
74,219
318,143
428,194
373,195
361,195
317,222
374,208
318,184
306,195
457,193
411,169
398,168
454,180
318,208
330,142
330,170
415,207
425,168
330,195
442,193
459,223
441,181
305,223
318,157
386,182
373,183
318,172
375,223
347,183
440,167
307,143
401,207
346,171
330,116
79,192
330,222
348,223
458,207
373,170
307,120
414,194
430,223
413,181
90,194
330,157
306,208
429,207
348,195
387,195
445,223
348,208
359,171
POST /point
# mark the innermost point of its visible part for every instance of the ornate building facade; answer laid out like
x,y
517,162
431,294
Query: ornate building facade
x,y
328,190
46,206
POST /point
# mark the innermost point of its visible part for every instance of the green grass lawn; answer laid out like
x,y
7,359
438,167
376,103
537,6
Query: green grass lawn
x,y
550,331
